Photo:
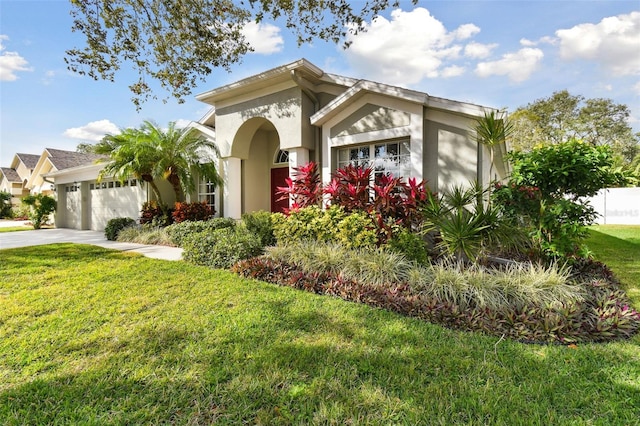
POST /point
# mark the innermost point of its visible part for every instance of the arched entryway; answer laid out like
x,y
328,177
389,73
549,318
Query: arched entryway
x,y
256,143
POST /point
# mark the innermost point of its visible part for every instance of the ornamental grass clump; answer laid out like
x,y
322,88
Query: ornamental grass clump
x,y
376,267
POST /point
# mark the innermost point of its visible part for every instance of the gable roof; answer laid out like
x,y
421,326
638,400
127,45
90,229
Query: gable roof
x,y
10,174
363,87
29,160
66,159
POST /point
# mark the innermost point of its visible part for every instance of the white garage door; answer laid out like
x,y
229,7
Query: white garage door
x,y
73,207
111,199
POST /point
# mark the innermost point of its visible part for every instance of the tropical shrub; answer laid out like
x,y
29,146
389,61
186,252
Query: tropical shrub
x,y
221,248
41,206
5,205
308,223
410,244
178,232
115,225
464,226
356,230
155,214
303,188
261,224
191,211
545,190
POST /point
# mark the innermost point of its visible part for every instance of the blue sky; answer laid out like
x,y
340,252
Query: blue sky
x,y
502,54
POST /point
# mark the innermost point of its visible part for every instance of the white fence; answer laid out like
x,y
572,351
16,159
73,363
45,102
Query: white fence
x,y
617,206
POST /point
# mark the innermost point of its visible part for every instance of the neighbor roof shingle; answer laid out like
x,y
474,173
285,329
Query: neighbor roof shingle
x,y
10,174
67,159
29,160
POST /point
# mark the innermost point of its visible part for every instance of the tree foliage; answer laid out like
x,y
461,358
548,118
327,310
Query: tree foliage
x,y
563,116
151,153
41,206
546,190
179,43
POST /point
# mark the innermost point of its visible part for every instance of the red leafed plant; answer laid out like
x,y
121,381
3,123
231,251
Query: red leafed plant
x,y
350,189
192,212
303,189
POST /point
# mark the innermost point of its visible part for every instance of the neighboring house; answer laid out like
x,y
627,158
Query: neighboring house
x,y
10,182
270,123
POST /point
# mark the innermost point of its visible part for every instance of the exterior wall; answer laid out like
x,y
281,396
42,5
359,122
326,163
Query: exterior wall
x,y
451,157
617,206
23,171
234,130
370,119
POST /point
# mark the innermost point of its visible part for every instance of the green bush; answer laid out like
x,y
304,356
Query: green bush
x,y
261,224
41,206
221,248
410,244
5,205
115,225
178,232
356,230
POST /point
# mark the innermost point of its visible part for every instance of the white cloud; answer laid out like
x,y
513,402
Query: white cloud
x,y
636,88
543,40
452,71
478,50
264,38
181,123
407,48
517,66
614,43
93,131
11,62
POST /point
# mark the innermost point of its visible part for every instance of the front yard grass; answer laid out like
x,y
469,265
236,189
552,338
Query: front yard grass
x,y
618,246
15,228
93,336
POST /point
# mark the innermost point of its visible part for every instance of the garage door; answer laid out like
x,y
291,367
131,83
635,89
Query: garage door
x,y
73,207
111,199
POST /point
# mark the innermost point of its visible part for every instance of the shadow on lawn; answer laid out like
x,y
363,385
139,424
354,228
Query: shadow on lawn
x,y
315,372
270,355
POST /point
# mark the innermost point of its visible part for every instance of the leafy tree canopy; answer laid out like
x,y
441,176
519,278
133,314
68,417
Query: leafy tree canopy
x,y
178,43
568,169
563,116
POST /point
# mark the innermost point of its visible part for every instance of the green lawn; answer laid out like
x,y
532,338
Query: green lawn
x,y
92,336
618,246
15,228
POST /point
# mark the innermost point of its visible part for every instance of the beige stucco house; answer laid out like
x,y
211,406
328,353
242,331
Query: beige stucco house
x,y
270,123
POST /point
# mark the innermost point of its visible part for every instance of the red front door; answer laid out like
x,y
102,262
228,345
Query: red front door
x,y
278,177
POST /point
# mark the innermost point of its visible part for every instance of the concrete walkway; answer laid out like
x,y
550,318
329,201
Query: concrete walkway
x,y
96,238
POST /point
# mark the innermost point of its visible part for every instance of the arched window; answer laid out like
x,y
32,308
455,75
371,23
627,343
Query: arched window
x,y
282,157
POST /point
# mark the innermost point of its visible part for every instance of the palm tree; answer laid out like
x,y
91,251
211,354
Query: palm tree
x,y
492,129
150,153
182,157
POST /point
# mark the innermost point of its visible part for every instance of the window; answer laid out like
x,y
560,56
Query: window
x,y
282,157
206,192
388,157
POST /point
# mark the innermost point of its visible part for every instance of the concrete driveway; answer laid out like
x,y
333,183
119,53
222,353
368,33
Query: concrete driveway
x,y
96,238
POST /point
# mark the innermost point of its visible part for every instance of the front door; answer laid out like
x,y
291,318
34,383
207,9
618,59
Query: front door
x,y
278,176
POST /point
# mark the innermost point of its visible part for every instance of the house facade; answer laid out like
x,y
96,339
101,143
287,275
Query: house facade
x,y
268,124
